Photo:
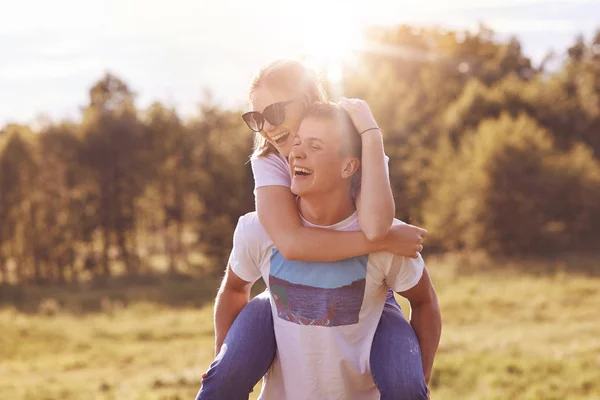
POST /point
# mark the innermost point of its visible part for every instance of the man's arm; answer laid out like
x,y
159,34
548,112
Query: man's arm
x,y
425,319
233,295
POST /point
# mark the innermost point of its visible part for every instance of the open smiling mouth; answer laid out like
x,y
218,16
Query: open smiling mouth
x,y
281,138
299,171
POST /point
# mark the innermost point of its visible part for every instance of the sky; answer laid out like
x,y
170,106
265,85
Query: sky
x,y
52,52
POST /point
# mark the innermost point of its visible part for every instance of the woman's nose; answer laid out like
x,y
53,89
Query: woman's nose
x,y
267,127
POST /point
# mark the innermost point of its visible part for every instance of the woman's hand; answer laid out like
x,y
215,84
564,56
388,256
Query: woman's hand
x,y
405,240
359,113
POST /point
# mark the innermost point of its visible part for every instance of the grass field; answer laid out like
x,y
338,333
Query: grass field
x,y
506,335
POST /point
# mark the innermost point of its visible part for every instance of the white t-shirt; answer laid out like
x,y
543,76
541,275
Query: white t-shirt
x,y
325,314
274,170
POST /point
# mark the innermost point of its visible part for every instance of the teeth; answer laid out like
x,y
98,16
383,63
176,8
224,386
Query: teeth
x,y
279,136
303,170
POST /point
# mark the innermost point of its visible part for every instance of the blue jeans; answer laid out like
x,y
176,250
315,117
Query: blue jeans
x,y
249,349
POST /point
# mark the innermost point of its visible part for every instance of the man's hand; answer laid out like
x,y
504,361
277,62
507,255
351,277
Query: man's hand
x,y
359,113
405,240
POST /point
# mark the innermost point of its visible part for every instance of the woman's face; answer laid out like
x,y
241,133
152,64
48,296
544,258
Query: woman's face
x,y
280,136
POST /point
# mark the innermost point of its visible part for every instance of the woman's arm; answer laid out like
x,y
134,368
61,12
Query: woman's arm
x,y
374,201
278,214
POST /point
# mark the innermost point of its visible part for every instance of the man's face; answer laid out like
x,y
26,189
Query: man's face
x,y
316,164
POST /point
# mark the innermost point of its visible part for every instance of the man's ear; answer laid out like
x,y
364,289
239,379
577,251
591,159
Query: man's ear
x,y
350,167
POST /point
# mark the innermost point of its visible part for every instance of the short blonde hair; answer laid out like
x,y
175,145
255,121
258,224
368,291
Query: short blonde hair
x,y
350,140
290,76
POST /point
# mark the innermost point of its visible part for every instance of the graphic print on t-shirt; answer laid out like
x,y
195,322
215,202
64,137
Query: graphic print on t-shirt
x,y
318,293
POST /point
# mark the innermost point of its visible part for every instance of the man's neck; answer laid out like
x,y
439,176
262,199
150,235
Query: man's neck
x,y
327,209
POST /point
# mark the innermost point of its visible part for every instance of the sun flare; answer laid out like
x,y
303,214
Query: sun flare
x,y
333,49
328,40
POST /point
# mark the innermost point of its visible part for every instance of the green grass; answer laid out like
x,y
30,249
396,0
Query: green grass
x,y
506,335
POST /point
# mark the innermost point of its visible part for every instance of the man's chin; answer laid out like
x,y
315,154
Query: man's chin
x,y
298,190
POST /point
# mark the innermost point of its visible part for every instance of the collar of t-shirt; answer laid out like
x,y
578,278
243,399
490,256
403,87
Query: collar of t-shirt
x,y
340,226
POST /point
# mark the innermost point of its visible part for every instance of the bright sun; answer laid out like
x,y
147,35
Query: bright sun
x,y
327,40
333,48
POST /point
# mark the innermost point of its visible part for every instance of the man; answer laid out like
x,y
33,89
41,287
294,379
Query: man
x,y
325,314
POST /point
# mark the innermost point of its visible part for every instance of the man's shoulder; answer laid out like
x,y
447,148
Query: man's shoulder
x,y
250,246
250,222
250,218
249,228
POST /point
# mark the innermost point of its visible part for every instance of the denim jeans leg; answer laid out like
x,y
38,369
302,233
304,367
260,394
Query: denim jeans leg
x,y
396,362
246,354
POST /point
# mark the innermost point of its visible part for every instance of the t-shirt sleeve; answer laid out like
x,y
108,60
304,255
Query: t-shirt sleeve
x,y
404,272
245,257
271,170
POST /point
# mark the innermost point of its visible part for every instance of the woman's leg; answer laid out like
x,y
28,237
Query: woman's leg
x,y
396,362
246,355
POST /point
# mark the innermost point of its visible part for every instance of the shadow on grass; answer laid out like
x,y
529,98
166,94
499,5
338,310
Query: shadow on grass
x,y
176,291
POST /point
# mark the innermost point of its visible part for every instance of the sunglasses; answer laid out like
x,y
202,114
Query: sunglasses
x,y
274,114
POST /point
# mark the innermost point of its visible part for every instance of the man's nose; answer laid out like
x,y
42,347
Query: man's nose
x,y
298,151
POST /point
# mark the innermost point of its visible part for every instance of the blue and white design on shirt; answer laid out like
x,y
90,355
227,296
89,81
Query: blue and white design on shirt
x,y
318,293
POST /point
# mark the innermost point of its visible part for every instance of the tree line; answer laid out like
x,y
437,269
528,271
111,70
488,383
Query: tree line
x,y
488,152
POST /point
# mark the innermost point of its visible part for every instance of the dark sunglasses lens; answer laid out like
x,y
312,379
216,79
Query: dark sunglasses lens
x,y
253,120
275,114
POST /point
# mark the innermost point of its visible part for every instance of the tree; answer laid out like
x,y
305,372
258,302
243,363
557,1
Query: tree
x,y
409,76
170,157
222,179
516,193
113,143
18,169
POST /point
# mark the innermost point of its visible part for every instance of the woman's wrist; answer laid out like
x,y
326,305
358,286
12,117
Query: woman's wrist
x,y
371,132
374,128
372,137
378,245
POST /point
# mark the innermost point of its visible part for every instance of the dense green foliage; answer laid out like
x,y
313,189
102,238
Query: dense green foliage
x,y
488,152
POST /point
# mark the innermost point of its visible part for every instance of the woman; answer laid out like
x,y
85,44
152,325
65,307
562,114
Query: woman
x,y
279,94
